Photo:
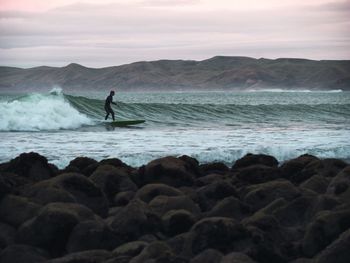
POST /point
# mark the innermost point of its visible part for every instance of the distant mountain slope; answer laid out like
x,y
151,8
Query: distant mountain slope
x,y
216,73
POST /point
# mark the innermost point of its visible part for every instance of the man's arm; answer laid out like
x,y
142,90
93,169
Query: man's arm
x,y
113,103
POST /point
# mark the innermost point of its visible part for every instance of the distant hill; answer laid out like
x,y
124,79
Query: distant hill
x,y
217,73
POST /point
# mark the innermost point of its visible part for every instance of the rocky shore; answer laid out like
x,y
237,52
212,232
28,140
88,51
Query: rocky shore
x,y
175,210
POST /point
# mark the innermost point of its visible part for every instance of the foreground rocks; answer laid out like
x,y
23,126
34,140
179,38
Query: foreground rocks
x,y
175,210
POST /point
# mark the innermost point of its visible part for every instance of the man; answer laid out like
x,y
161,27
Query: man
x,y
108,107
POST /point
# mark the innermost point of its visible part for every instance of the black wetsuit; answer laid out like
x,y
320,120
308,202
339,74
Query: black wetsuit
x,y
108,107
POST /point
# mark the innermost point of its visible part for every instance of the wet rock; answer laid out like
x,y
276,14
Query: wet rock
x,y
337,251
229,207
23,254
92,234
261,195
237,258
79,164
91,256
51,228
215,167
256,174
209,195
192,165
150,191
179,244
112,181
208,179
340,185
327,167
123,198
316,183
177,221
7,235
218,233
156,250
326,227
134,220
15,210
168,170
294,170
254,159
129,250
30,165
208,256
5,185
163,204
69,187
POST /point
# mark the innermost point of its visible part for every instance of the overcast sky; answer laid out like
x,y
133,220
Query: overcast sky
x,y
99,33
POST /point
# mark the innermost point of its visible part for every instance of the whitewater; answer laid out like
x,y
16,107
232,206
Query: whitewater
x,y
210,126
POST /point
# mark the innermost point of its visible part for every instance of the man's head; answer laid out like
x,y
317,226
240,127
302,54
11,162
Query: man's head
x,y
112,92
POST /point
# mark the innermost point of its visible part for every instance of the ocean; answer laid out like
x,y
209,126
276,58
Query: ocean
x,y
210,126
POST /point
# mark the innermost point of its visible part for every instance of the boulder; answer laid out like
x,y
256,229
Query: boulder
x,y
192,164
316,183
260,195
79,164
254,159
237,258
326,227
340,185
229,207
7,235
15,210
91,256
294,170
90,235
150,191
123,198
256,174
215,167
168,170
23,254
155,251
329,167
69,187
209,195
6,185
129,250
337,251
177,221
163,204
208,256
112,181
30,165
208,179
218,233
133,221
52,226
180,244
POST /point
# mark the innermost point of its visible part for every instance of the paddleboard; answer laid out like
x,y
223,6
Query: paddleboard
x,y
124,123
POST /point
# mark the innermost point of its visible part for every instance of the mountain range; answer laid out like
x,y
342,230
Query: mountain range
x,y
217,73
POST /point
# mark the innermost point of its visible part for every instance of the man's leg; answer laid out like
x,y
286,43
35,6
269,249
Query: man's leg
x,y
112,112
107,116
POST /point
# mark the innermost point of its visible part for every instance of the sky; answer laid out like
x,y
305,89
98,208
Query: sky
x,y
100,33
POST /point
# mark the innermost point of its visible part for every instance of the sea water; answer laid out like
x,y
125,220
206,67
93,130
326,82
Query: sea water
x,y
210,126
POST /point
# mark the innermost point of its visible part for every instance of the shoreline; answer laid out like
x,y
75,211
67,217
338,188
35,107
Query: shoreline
x,y
174,209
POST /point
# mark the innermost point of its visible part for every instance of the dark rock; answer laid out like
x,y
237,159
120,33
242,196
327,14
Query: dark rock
x,y
7,235
30,165
156,250
337,252
163,204
256,174
69,187
134,220
340,185
129,250
229,207
327,167
216,167
192,164
208,256
51,228
254,159
150,191
91,256
81,163
168,170
179,244
112,181
177,221
23,254
326,227
294,170
123,198
316,183
14,210
6,185
208,179
237,258
261,195
209,195
89,235
219,233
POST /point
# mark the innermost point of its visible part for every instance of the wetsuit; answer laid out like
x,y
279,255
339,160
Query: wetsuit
x,y
108,107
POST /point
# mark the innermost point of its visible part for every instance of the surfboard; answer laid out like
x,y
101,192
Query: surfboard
x,y
124,123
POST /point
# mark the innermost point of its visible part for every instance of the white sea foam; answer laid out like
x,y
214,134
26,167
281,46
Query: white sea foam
x,y
40,112
295,90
